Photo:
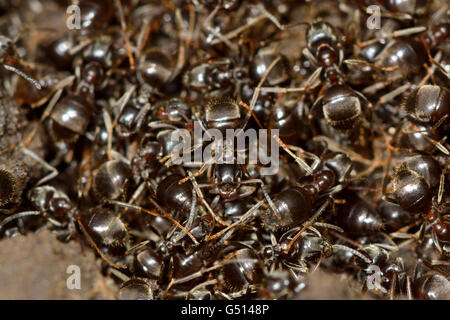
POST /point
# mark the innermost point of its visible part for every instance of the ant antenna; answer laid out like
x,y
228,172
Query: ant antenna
x,y
23,75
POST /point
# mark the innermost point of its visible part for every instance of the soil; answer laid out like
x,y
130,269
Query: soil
x,y
35,267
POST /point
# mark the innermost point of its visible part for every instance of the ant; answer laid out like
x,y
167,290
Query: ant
x,y
427,112
10,60
403,57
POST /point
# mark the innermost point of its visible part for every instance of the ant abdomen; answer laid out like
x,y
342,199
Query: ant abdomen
x,y
411,190
136,289
394,216
111,180
72,113
358,217
173,195
342,108
428,104
431,286
293,207
107,228
241,274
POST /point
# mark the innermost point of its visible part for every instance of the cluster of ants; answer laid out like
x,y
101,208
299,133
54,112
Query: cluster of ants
x,y
362,116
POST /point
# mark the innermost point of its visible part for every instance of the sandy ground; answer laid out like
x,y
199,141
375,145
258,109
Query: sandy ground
x,y
35,267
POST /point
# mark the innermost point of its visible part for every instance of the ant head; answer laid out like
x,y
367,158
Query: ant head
x,y
6,47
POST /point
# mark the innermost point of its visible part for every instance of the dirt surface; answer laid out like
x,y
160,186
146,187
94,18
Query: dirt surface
x,y
326,286
35,267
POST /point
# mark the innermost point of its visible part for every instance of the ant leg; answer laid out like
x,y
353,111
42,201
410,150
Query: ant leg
x,y
368,64
121,276
57,94
432,60
182,40
270,16
123,100
408,288
109,130
395,34
234,33
241,220
190,219
247,191
137,193
312,79
346,239
198,274
190,277
201,285
19,215
309,155
391,247
430,70
125,34
442,182
207,27
372,89
402,234
299,161
256,93
266,195
315,109
84,166
289,90
394,93
438,14
436,241
243,104
143,35
204,202
168,158
308,223
156,214
48,110
332,145
314,230
137,247
328,226
301,266
83,44
353,251
393,286
140,117
118,156
437,144
311,83
45,164
310,57
197,173
161,125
